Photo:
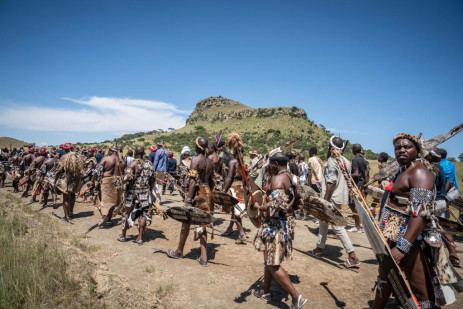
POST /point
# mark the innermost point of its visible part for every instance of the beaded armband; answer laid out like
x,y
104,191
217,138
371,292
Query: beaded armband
x,y
419,199
404,245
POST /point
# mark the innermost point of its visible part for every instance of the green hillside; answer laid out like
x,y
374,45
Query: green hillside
x,y
260,128
14,143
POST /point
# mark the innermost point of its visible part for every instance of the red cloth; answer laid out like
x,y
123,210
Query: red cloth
x,y
388,188
153,148
67,146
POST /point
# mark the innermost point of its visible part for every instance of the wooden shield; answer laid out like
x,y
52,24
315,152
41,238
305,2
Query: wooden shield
x,y
323,210
225,200
400,287
189,215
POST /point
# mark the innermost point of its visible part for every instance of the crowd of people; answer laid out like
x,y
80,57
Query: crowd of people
x,y
131,185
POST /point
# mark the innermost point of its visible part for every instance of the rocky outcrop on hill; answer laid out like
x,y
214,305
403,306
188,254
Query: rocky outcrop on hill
x,y
238,111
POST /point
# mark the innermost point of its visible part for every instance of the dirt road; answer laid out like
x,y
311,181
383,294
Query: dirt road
x,y
233,269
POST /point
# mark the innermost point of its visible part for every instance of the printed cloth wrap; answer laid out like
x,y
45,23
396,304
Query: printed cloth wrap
x,y
276,233
138,193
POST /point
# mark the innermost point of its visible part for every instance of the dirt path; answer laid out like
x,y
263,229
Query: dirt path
x,y
233,269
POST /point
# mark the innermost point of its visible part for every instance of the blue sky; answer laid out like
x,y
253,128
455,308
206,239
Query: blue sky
x,y
365,69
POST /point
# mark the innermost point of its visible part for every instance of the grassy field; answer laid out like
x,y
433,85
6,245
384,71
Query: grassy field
x,y
33,269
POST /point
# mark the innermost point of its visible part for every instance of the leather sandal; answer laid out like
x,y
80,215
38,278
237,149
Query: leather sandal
x,y
264,297
349,264
300,303
172,253
454,260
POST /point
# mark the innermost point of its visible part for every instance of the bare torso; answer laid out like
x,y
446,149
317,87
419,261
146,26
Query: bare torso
x,y
415,176
204,168
216,162
39,161
111,166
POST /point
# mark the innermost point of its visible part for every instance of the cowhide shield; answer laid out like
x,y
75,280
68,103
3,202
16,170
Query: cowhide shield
x,y
252,212
225,200
319,208
375,192
393,274
189,215
458,203
451,227
258,195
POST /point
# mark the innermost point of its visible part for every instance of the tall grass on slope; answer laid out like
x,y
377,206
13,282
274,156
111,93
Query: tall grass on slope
x,y
32,271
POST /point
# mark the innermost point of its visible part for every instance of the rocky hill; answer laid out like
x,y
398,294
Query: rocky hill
x,y
260,128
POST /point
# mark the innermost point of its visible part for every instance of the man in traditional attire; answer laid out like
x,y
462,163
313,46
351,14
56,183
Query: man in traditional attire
x,y
335,190
68,180
184,170
35,167
199,195
27,170
46,174
111,184
140,178
276,234
217,165
17,172
406,222
91,175
4,158
234,183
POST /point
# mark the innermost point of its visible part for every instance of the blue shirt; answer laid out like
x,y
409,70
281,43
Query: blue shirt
x,y
160,160
99,157
449,171
171,165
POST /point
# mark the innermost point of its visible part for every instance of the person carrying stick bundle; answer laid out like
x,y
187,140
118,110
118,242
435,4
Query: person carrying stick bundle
x,y
276,233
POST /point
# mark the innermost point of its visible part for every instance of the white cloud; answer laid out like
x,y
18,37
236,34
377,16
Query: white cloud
x,y
97,114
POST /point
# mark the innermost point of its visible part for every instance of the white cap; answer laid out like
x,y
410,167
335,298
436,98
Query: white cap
x,y
185,149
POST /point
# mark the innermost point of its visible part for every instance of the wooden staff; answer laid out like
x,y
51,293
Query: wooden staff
x,y
356,192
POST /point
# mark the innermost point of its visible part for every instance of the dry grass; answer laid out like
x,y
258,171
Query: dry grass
x,y
32,266
82,245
